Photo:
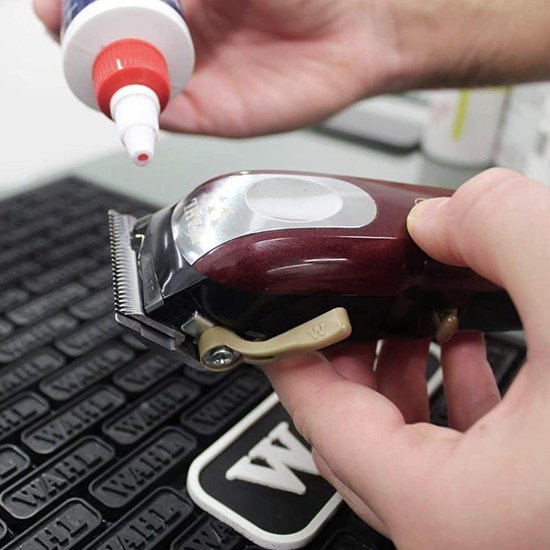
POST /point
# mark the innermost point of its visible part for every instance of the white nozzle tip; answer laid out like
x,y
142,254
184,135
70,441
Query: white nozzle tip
x,y
139,141
135,109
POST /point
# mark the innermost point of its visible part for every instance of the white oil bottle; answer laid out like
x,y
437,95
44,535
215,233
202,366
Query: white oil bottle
x,y
127,58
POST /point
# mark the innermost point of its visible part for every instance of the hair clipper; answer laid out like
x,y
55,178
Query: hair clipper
x,y
258,265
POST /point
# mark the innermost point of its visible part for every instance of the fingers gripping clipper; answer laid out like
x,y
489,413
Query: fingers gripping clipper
x,y
254,266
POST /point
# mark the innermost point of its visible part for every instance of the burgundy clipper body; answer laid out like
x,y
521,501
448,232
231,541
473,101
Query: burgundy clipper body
x,y
260,253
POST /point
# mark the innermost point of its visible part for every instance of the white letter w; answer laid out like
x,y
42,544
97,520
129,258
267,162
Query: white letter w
x,y
280,460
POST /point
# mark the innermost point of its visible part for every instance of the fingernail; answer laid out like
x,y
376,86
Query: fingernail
x,y
425,209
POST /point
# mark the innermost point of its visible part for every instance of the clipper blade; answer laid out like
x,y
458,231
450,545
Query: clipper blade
x,y
127,294
129,310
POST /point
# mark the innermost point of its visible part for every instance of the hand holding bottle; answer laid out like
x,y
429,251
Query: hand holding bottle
x,y
273,65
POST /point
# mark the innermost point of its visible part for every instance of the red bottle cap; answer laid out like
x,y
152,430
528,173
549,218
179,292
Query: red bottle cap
x,y
129,62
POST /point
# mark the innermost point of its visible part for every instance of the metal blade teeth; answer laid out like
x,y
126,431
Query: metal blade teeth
x,y
126,287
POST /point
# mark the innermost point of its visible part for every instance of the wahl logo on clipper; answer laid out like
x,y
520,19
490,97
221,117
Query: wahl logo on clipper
x,y
202,211
193,219
317,331
260,479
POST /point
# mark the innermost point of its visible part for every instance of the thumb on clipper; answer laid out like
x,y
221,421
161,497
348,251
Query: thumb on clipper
x,y
498,224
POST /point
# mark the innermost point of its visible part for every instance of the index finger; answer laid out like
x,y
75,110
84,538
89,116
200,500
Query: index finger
x,y
359,433
49,12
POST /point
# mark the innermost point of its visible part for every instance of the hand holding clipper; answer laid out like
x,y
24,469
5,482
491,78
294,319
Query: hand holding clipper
x,y
257,265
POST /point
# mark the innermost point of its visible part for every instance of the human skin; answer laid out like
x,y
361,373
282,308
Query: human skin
x,y
266,66
483,483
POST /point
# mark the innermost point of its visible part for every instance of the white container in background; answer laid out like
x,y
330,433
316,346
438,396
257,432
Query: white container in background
x,y
127,58
537,165
518,138
464,126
